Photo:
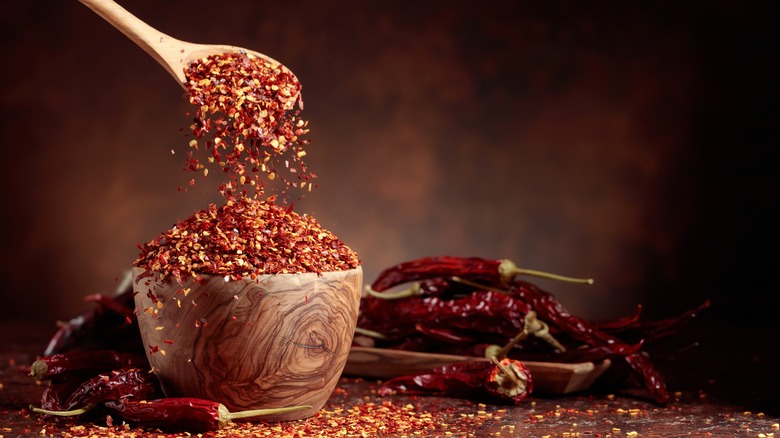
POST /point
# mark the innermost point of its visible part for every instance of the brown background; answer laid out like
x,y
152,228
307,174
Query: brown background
x,y
627,142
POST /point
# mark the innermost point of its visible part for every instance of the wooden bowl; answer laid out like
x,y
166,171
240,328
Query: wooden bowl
x,y
280,340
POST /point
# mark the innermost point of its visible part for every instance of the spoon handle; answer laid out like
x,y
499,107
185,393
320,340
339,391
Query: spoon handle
x,y
168,51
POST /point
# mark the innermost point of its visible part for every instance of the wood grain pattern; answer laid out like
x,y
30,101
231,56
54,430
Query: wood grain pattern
x,y
280,340
548,377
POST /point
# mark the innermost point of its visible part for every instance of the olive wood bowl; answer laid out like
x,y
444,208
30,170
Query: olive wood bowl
x,y
277,341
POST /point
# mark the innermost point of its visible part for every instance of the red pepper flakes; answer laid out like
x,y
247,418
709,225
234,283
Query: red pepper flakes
x,y
246,120
246,238
359,420
366,420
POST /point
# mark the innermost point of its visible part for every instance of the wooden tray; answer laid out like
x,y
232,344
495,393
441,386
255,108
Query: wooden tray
x,y
548,377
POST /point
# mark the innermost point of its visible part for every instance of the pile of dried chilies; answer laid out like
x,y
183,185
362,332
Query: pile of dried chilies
x,y
477,307
95,363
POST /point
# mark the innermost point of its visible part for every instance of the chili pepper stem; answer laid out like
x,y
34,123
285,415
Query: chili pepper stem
x,y
406,293
509,345
226,415
509,270
369,333
540,329
511,375
70,413
502,352
39,370
531,326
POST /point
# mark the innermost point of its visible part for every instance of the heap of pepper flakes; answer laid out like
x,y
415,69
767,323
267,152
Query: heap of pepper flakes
x,y
247,122
245,237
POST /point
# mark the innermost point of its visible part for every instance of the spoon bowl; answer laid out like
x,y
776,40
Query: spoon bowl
x,y
173,54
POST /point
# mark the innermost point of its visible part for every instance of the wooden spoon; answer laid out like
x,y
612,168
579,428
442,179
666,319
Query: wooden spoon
x,y
171,53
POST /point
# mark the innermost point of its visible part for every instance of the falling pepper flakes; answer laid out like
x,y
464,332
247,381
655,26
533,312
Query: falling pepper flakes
x,y
246,119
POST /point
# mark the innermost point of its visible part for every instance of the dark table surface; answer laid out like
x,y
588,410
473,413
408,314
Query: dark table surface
x,y
725,386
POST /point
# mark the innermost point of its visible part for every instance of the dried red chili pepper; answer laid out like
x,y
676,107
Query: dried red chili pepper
x,y
192,414
617,338
56,394
429,287
652,331
620,323
449,335
486,312
73,331
118,384
65,365
490,272
506,381
489,312
583,353
110,324
186,413
648,375
121,305
552,311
